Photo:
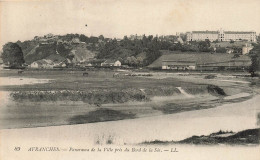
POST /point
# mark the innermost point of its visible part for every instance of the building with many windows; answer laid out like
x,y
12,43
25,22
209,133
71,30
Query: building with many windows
x,y
221,35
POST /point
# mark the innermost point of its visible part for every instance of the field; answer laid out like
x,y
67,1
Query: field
x,y
52,97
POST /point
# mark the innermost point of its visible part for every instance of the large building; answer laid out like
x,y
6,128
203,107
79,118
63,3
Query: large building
x,y
177,60
221,35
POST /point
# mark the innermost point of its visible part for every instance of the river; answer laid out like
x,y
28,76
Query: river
x,y
232,117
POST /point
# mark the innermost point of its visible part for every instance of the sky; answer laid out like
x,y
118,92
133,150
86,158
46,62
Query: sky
x,y
24,19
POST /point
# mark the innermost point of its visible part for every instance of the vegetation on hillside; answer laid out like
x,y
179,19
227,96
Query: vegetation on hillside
x,y
136,51
41,52
128,50
42,47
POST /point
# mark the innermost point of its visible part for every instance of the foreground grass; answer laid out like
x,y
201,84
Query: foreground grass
x,y
250,136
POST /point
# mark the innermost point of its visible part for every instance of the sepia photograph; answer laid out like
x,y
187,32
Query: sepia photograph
x,y
124,80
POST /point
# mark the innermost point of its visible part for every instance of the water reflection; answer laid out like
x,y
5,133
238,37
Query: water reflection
x,y
14,81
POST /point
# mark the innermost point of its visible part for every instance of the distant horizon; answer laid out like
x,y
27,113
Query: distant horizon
x,y
23,20
173,34
257,34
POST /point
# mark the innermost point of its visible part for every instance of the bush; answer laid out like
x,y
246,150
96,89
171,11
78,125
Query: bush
x,y
210,76
221,50
91,97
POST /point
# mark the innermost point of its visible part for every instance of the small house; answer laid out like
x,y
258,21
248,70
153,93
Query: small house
x,y
44,63
246,49
75,41
178,65
36,64
229,50
109,62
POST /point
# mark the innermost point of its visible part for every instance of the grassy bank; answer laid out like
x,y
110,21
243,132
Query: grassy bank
x,y
246,137
92,96
104,96
68,97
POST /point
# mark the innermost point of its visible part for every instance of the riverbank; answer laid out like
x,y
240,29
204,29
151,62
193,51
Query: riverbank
x,y
246,137
68,98
232,117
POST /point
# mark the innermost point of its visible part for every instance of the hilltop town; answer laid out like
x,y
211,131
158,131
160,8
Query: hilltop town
x,y
196,50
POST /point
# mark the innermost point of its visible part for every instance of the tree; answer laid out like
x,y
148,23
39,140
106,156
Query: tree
x,y
132,61
12,55
221,50
93,39
258,39
204,46
140,61
83,38
101,37
63,51
255,59
237,50
183,37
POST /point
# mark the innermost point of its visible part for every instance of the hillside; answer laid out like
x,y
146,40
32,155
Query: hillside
x,y
34,50
56,58
81,53
40,52
31,52
148,51
28,46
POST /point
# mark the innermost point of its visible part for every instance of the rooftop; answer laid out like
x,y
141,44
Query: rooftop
x,y
207,32
226,32
199,58
236,32
110,61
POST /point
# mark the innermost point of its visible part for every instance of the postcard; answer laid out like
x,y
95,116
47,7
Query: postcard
x,y
119,79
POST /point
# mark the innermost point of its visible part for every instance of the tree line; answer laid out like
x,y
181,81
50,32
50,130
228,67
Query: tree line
x,y
133,52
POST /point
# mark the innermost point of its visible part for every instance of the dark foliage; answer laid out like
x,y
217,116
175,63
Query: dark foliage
x,y
128,50
215,90
250,136
255,58
12,55
41,52
221,50
101,115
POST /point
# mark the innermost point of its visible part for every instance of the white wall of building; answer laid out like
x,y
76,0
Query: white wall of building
x,y
117,63
221,36
34,65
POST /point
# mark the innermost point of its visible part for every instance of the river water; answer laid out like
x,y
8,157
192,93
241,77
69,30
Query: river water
x,y
231,117
128,133
14,81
